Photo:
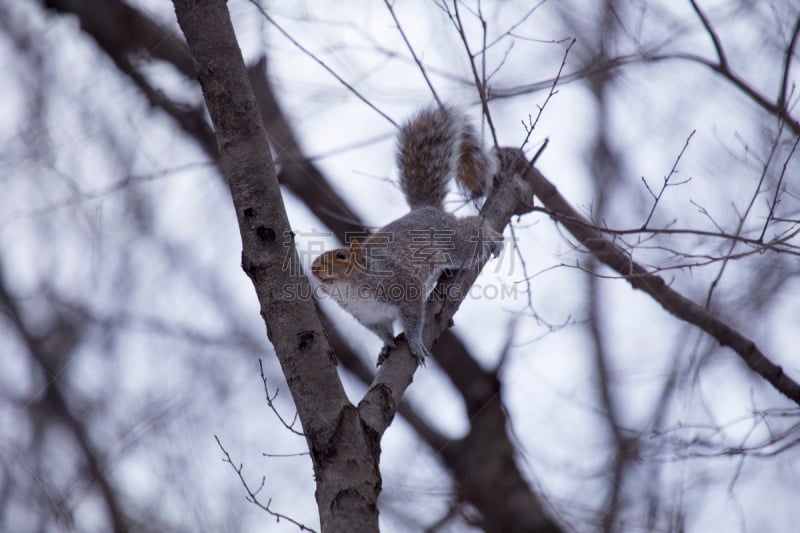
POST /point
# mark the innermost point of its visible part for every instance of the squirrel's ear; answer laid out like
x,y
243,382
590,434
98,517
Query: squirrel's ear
x,y
356,247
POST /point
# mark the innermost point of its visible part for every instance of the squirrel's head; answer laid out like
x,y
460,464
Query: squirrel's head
x,y
338,265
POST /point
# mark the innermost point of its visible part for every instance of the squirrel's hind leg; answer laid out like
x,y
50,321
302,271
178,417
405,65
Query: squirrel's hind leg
x,y
385,331
413,319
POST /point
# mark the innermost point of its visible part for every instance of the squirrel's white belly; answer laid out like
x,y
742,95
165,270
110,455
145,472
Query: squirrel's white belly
x,y
370,310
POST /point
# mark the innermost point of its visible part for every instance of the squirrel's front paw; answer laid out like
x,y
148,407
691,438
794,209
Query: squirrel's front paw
x,y
384,355
418,350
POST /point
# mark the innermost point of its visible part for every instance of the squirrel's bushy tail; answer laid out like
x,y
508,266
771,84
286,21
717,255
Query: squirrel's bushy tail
x,y
434,145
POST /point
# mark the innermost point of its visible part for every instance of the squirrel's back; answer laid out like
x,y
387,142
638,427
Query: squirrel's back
x,y
411,252
435,145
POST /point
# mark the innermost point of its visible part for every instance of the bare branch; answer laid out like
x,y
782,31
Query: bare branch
x,y
672,171
778,244
480,83
762,101
252,495
422,70
270,259
270,399
778,189
321,63
532,124
787,65
510,31
675,303
723,62
743,217
778,111
510,194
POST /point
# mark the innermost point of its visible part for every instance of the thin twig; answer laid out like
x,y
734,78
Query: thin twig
x,y
540,151
743,217
778,186
625,60
532,125
672,172
639,278
685,231
703,211
510,31
723,61
787,63
252,496
270,400
322,63
480,84
525,275
413,54
484,27
739,83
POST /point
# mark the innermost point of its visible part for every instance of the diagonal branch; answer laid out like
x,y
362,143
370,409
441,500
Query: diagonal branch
x,y
321,63
509,196
480,82
121,31
723,61
117,26
510,505
770,107
675,303
344,456
247,164
787,64
252,495
422,69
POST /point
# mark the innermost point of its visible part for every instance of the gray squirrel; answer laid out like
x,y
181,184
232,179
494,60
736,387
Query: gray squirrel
x,y
390,275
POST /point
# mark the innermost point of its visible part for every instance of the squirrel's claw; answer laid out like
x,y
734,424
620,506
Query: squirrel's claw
x,y
384,354
418,350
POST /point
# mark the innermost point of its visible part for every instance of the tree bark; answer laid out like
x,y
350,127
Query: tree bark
x,y
344,453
